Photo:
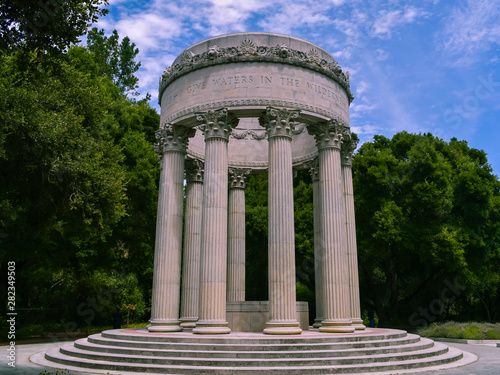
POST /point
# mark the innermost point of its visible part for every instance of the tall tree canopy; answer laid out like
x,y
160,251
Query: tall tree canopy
x,y
78,174
115,59
48,25
427,228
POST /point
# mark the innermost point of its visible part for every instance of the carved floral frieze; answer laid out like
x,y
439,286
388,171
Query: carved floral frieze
x,y
249,51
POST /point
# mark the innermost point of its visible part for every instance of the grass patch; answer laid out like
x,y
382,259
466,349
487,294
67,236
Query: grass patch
x,y
468,331
43,331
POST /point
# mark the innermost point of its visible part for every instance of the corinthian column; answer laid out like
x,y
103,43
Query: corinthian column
x,y
216,126
167,262
236,235
318,249
336,305
190,290
352,252
281,242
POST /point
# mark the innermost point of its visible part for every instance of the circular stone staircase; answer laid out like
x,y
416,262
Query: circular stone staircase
x,y
312,352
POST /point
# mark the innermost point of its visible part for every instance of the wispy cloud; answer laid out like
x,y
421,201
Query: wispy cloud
x,y
389,20
470,29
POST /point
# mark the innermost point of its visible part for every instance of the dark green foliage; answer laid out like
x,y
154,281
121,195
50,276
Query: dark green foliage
x,y
425,214
256,238
114,59
46,25
78,189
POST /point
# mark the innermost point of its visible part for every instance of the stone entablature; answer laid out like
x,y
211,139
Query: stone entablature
x,y
248,50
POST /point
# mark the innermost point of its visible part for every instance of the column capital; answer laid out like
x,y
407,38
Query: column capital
x,y
328,134
313,168
217,123
347,152
194,170
278,121
238,177
173,138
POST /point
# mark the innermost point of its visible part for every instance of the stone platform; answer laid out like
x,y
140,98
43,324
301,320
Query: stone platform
x,y
139,351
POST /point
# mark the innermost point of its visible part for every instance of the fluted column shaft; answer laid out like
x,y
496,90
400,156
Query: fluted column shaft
x,y
281,236
236,235
352,252
333,236
167,260
318,249
213,269
190,289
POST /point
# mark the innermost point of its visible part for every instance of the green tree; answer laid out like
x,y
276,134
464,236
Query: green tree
x,y
46,25
78,184
115,59
423,216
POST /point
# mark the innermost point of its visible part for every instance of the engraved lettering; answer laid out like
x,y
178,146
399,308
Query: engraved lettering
x,y
266,79
290,82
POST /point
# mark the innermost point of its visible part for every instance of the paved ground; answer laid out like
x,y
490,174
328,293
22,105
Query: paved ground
x,y
488,363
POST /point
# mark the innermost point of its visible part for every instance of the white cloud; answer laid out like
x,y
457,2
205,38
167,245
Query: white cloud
x,y
388,21
295,15
361,88
149,30
469,31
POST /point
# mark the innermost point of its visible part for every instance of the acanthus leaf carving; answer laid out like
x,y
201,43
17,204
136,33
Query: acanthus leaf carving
x,y
238,177
347,153
217,123
278,122
194,170
327,134
173,138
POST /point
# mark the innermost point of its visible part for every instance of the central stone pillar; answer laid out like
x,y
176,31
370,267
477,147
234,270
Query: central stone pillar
x,y
190,290
348,148
167,262
336,302
216,126
318,248
281,242
236,235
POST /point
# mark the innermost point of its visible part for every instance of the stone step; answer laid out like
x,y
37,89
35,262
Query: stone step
x,y
229,352
147,358
312,336
427,363
250,346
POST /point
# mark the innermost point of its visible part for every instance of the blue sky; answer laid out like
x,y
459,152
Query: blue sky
x,y
420,66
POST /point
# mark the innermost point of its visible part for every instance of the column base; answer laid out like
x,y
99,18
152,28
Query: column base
x,y
188,322
336,326
317,322
282,328
164,325
211,327
358,324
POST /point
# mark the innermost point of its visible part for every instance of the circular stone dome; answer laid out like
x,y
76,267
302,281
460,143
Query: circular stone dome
x,y
246,73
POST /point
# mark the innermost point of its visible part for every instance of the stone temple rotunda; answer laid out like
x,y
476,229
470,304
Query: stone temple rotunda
x,y
232,106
